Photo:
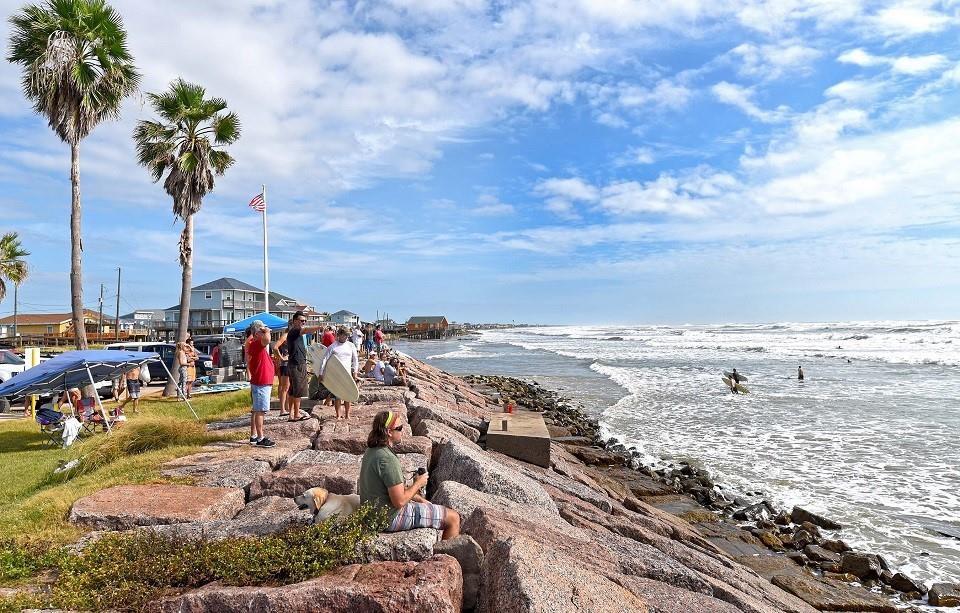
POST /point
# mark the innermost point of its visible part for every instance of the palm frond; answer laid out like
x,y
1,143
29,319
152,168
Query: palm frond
x,y
76,65
226,129
180,143
12,266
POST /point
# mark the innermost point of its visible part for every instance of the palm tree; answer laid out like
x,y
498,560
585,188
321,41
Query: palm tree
x,y
12,267
187,144
76,71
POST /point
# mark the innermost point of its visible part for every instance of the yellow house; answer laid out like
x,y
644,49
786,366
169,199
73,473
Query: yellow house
x,y
53,323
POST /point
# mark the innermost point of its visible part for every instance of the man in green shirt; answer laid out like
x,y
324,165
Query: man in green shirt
x,y
381,482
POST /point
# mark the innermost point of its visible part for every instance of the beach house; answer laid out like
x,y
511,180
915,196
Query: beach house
x,y
427,324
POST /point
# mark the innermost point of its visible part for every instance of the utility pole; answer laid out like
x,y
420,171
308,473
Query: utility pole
x,y
100,330
116,322
16,286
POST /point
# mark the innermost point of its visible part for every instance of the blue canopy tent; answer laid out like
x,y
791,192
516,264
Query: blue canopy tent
x,y
271,321
77,369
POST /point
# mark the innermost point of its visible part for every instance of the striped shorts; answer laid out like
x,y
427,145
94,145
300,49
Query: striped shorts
x,y
418,515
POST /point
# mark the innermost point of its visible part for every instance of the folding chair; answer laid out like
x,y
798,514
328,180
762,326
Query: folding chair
x,y
51,424
90,417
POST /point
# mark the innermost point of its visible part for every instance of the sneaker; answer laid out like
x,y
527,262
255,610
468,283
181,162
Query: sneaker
x,y
265,442
254,440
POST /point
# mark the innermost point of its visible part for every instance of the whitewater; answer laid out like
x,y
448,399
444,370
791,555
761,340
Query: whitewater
x,y
870,438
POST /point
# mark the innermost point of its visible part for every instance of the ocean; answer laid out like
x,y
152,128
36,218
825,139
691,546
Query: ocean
x,y
870,438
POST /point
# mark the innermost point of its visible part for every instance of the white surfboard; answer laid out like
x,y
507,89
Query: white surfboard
x,y
340,382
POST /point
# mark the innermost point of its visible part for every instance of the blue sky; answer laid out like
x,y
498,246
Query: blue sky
x,y
559,162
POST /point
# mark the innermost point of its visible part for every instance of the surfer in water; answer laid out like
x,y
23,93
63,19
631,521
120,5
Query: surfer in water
x,y
734,380
799,373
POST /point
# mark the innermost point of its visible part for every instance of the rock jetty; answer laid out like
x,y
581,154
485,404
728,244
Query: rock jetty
x,y
593,531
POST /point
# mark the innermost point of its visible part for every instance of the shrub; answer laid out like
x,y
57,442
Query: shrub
x,y
124,571
21,559
136,438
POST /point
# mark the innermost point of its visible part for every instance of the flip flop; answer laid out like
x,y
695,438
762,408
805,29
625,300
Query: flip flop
x,y
301,418
282,414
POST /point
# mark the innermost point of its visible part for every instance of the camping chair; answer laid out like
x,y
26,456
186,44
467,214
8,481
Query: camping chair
x,y
51,424
90,417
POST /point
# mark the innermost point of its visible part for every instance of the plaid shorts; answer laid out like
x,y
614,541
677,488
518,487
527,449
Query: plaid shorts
x,y
418,515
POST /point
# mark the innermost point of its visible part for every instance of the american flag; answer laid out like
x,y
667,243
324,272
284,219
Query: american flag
x,y
258,204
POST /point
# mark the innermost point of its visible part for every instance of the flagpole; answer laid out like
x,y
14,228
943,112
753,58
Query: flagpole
x,y
266,265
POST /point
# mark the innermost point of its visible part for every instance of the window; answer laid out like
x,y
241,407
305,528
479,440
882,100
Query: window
x,y
49,329
208,295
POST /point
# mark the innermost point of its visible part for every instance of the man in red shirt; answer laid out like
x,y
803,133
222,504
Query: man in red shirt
x,y
328,337
260,370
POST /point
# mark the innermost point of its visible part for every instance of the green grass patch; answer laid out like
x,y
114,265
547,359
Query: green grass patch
x,y
124,571
34,504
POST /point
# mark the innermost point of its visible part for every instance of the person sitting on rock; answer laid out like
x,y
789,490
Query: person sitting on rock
x,y
381,482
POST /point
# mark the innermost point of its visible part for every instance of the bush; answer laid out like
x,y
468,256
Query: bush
x,y
19,559
124,571
136,438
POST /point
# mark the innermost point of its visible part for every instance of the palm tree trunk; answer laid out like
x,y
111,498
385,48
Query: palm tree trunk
x,y
76,251
186,281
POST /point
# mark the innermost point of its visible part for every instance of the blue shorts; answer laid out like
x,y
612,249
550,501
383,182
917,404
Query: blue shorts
x,y
261,397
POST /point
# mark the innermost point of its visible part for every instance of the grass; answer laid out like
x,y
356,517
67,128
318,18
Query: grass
x,y
34,505
124,571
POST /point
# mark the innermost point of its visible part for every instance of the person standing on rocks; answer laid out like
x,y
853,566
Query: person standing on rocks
x,y
260,368
381,482
346,352
297,365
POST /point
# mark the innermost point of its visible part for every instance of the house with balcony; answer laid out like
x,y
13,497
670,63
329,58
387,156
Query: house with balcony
x,y
345,318
226,300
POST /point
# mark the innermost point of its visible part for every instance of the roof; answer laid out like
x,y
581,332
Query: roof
x,y
426,319
345,312
26,319
156,313
275,299
228,283
74,369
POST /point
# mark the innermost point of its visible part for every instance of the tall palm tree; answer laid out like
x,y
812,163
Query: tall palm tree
x,y
187,144
76,71
12,266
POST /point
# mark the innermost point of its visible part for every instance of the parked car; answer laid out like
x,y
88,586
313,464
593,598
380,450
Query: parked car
x,y
10,365
166,352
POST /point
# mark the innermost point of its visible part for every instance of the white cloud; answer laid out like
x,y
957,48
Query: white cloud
x,y
774,61
742,98
859,57
635,156
912,65
490,206
856,91
909,19
918,65
572,188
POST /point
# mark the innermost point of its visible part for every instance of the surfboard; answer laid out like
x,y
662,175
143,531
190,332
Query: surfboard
x,y
740,378
340,382
740,387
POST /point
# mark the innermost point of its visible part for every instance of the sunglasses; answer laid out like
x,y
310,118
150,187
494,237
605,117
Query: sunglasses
x,y
397,429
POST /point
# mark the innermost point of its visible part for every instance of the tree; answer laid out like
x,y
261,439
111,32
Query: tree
x,y
186,144
76,71
12,267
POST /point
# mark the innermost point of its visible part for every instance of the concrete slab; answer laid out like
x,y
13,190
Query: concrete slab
x,y
525,438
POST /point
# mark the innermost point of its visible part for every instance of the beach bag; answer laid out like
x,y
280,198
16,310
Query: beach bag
x,y
145,374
